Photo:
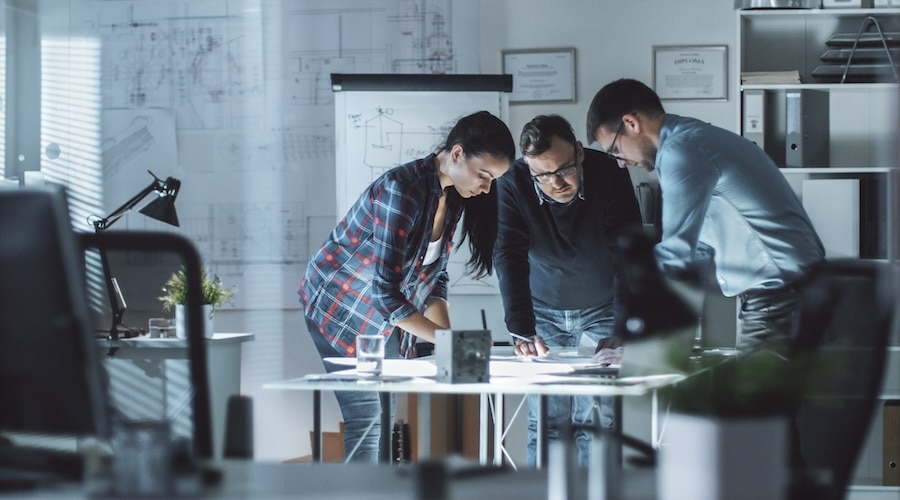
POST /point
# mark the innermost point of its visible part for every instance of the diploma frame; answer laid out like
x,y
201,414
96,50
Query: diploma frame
x,y
691,72
541,75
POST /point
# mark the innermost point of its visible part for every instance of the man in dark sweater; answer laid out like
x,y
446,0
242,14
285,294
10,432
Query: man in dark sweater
x,y
561,207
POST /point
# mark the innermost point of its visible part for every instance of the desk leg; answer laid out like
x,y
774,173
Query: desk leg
x,y
541,440
499,423
654,419
386,428
317,427
615,453
423,426
460,428
483,407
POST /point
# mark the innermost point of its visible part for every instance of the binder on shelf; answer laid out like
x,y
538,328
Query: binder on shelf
x,y
806,128
754,117
890,475
873,226
833,209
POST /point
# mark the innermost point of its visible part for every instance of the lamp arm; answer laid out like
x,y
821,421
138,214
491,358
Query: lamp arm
x,y
103,224
116,303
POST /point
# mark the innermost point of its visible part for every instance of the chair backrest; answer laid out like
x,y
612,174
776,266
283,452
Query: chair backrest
x,y
845,317
158,241
51,380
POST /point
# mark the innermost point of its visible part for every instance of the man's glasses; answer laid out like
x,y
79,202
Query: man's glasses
x,y
563,172
610,150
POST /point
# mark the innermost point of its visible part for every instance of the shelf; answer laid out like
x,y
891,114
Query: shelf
x,y
849,87
788,40
819,12
836,170
861,127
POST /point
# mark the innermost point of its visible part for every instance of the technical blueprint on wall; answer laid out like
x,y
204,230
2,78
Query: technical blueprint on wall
x,y
246,86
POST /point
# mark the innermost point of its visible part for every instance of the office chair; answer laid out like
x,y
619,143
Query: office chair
x,y
844,319
51,380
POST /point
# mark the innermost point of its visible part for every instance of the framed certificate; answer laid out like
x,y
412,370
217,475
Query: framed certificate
x,y
690,72
541,75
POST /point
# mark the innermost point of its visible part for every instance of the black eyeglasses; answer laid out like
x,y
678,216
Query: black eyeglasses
x,y
609,151
562,172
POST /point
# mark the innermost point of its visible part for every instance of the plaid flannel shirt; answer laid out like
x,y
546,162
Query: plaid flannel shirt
x,y
369,273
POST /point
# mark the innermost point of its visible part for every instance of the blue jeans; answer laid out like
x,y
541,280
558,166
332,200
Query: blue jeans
x,y
360,410
766,318
570,328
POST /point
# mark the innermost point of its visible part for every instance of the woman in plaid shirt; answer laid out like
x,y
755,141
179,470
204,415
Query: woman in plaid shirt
x,y
383,269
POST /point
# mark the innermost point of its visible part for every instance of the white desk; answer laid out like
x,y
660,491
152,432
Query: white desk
x,y
507,377
150,378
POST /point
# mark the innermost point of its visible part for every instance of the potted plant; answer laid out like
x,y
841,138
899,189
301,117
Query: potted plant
x,y
727,434
213,295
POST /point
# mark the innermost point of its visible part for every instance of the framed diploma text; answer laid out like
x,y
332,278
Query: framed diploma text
x,y
541,75
690,72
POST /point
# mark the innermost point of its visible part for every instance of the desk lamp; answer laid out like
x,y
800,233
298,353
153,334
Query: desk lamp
x,y
161,209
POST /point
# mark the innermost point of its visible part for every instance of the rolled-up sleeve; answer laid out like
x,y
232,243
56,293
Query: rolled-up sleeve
x,y
395,215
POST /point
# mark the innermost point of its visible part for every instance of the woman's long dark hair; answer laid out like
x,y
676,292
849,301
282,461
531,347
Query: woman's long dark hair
x,y
479,134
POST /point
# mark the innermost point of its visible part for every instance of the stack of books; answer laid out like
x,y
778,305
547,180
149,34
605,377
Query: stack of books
x,y
770,77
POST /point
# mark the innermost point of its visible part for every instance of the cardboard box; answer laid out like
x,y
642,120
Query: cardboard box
x,y
332,447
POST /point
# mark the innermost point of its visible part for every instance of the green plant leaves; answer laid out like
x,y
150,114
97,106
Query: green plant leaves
x,y
212,290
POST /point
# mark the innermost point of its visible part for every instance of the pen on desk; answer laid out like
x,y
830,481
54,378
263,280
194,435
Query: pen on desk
x,y
522,337
483,320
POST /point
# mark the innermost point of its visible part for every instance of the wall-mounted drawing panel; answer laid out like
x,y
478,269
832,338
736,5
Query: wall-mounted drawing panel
x,y
386,120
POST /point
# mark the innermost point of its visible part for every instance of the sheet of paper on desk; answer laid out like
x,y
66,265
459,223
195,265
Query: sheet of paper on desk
x,y
395,367
563,357
566,357
516,368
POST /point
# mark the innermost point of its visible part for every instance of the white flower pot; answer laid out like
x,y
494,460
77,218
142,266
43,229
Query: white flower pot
x,y
181,321
705,458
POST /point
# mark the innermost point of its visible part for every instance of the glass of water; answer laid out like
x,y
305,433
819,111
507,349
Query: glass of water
x,y
369,355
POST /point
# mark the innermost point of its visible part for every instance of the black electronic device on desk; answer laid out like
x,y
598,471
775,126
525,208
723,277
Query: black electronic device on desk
x,y
462,356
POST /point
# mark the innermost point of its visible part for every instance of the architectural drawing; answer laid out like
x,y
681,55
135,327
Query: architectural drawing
x,y
247,84
202,59
119,148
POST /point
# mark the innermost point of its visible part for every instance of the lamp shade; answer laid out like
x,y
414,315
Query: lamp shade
x,y
162,209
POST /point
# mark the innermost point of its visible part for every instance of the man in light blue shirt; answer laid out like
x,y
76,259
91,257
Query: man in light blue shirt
x,y
719,190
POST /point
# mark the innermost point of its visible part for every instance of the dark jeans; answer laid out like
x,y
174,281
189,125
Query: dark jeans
x,y
575,329
361,410
766,318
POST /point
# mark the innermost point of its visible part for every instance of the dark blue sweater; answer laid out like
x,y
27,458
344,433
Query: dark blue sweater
x,y
562,256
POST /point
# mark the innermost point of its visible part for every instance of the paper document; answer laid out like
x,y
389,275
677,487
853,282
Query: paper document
x,y
395,367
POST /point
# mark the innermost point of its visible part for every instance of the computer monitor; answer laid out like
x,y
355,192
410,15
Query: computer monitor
x,y
51,380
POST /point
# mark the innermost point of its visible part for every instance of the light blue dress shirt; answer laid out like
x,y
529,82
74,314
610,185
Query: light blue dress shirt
x,y
721,189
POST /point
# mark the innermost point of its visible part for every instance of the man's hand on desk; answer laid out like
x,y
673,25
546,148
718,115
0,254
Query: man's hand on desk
x,y
609,350
535,347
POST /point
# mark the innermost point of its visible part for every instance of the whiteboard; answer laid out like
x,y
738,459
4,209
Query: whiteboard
x,y
376,130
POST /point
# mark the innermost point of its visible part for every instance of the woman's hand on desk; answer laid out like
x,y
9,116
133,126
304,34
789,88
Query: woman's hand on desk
x,y
536,347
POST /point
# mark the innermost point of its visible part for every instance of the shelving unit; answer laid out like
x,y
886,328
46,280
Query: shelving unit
x,y
862,145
